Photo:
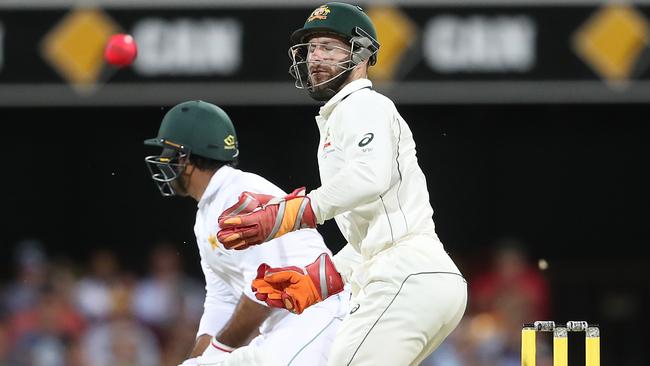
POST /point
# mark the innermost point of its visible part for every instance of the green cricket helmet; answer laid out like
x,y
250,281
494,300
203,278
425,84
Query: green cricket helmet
x,y
190,128
338,19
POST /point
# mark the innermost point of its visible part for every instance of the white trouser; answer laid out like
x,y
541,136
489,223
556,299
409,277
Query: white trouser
x,y
405,301
296,340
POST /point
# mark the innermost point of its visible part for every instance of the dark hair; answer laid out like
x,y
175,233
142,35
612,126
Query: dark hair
x,y
204,163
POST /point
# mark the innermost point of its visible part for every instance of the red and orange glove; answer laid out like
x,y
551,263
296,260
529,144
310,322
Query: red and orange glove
x,y
294,288
258,218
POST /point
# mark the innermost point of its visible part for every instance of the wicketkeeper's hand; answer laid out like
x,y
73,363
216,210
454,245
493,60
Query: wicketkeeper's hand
x,y
295,288
256,218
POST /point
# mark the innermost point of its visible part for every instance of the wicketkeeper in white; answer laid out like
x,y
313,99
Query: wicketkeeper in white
x,y
407,293
199,150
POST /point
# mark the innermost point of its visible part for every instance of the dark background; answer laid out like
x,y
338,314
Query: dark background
x,y
569,180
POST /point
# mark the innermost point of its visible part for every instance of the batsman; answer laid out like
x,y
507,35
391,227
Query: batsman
x,y
199,151
407,293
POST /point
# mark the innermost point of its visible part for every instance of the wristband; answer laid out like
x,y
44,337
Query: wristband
x,y
220,346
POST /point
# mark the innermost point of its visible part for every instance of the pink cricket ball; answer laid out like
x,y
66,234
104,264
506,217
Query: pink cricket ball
x,y
120,50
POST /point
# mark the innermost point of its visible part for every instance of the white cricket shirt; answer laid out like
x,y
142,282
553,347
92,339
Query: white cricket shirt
x,y
229,273
372,184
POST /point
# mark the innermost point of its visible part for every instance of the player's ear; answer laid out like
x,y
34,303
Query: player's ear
x,y
188,168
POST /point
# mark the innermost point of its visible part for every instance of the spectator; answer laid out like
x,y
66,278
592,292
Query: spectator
x,y
31,267
121,340
43,331
93,292
5,344
511,284
179,298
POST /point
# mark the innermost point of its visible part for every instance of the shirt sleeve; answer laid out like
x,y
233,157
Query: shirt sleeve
x,y
366,138
219,303
346,261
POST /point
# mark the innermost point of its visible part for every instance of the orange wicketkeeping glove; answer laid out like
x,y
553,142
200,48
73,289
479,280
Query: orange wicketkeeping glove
x,y
257,218
295,288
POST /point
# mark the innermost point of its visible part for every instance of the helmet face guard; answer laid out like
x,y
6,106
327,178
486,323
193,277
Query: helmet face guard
x,y
362,47
299,69
166,168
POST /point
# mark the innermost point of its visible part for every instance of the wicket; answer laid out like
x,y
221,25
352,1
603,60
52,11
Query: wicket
x,y
560,342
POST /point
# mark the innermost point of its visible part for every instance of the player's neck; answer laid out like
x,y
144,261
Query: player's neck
x,y
198,184
357,73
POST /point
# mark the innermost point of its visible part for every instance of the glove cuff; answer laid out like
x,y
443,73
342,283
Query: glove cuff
x,y
305,217
325,277
308,218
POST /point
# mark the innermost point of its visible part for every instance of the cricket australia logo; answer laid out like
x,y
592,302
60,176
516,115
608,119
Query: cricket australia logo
x,y
327,143
320,13
328,146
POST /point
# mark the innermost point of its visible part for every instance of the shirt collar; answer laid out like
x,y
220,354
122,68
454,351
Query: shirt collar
x,y
358,84
216,182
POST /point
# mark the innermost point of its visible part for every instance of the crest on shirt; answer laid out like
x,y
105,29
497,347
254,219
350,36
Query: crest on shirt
x,y
327,143
214,243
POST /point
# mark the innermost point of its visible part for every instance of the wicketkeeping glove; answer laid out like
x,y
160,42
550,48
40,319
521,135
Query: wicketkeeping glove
x,y
256,218
294,288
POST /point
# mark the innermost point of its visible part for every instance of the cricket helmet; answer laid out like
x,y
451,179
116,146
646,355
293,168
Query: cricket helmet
x,y
347,21
190,128
344,20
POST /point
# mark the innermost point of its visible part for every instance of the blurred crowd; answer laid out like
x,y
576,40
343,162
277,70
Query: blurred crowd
x,y
506,290
56,313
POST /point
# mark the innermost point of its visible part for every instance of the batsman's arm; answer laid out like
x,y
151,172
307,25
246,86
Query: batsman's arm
x,y
231,324
202,342
244,323
242,326
218,307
